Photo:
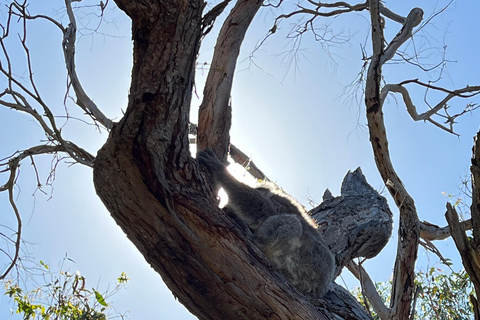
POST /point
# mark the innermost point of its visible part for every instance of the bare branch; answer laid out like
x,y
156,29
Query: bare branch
x,y
24,106
68,44
210,17
241,158
18,100
431,232
214,118
408,240
12,166
340,7
426,116
369,290
467,249
429,246
346,7
413,19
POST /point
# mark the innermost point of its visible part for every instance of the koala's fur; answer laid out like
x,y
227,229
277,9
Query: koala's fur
x,y
281,229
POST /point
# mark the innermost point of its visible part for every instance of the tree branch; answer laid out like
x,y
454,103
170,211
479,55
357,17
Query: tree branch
x,y
413,19
369,290
470,248
426,116
12,166
19,100
408,240
432,232
241,158
68,44
214,118
210,17
22,104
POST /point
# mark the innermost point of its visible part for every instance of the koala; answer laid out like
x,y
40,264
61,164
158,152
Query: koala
x,y
279,227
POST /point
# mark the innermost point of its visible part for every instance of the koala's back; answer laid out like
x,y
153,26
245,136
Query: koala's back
x,y
291,241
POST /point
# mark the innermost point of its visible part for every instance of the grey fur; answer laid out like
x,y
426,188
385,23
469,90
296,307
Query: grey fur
x,y
279,227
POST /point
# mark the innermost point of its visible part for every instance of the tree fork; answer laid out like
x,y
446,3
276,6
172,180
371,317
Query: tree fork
x,y
153,189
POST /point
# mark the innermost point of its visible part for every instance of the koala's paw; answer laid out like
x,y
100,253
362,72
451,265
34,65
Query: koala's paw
x,y
208,159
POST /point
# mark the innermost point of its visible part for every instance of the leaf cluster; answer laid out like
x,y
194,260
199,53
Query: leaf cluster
x,y
439,295
64,297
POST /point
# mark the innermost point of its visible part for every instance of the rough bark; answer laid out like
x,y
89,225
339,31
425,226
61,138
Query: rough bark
x,y
469,248
214,119
153,189
358,223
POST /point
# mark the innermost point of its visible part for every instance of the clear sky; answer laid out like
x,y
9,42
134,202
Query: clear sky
x,y
293,114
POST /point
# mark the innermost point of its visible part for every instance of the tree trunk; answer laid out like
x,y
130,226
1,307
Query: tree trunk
x,y
154,189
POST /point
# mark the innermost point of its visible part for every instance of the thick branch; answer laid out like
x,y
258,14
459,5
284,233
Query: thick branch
x,y
215,111
413,19
210,17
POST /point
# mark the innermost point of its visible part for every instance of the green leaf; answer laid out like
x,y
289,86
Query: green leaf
x,y
100,298
43,264
123,278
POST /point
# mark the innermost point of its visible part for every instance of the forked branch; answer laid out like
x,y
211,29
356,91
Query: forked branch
x,y
403,279
466,92
22,95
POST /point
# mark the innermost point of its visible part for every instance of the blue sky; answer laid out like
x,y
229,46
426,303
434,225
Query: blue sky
x,y
297,121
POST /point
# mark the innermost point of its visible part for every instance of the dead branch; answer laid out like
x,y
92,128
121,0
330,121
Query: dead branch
x,y
369,290
339,7
15,96
241,158
409,231
13,165
467,92
470,248
413,19
431,232
210,17
68,44
22,104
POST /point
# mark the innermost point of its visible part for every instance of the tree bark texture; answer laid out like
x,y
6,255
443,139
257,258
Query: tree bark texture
x,y
408,230
358,223
215,111
469,249
152,187
158,195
